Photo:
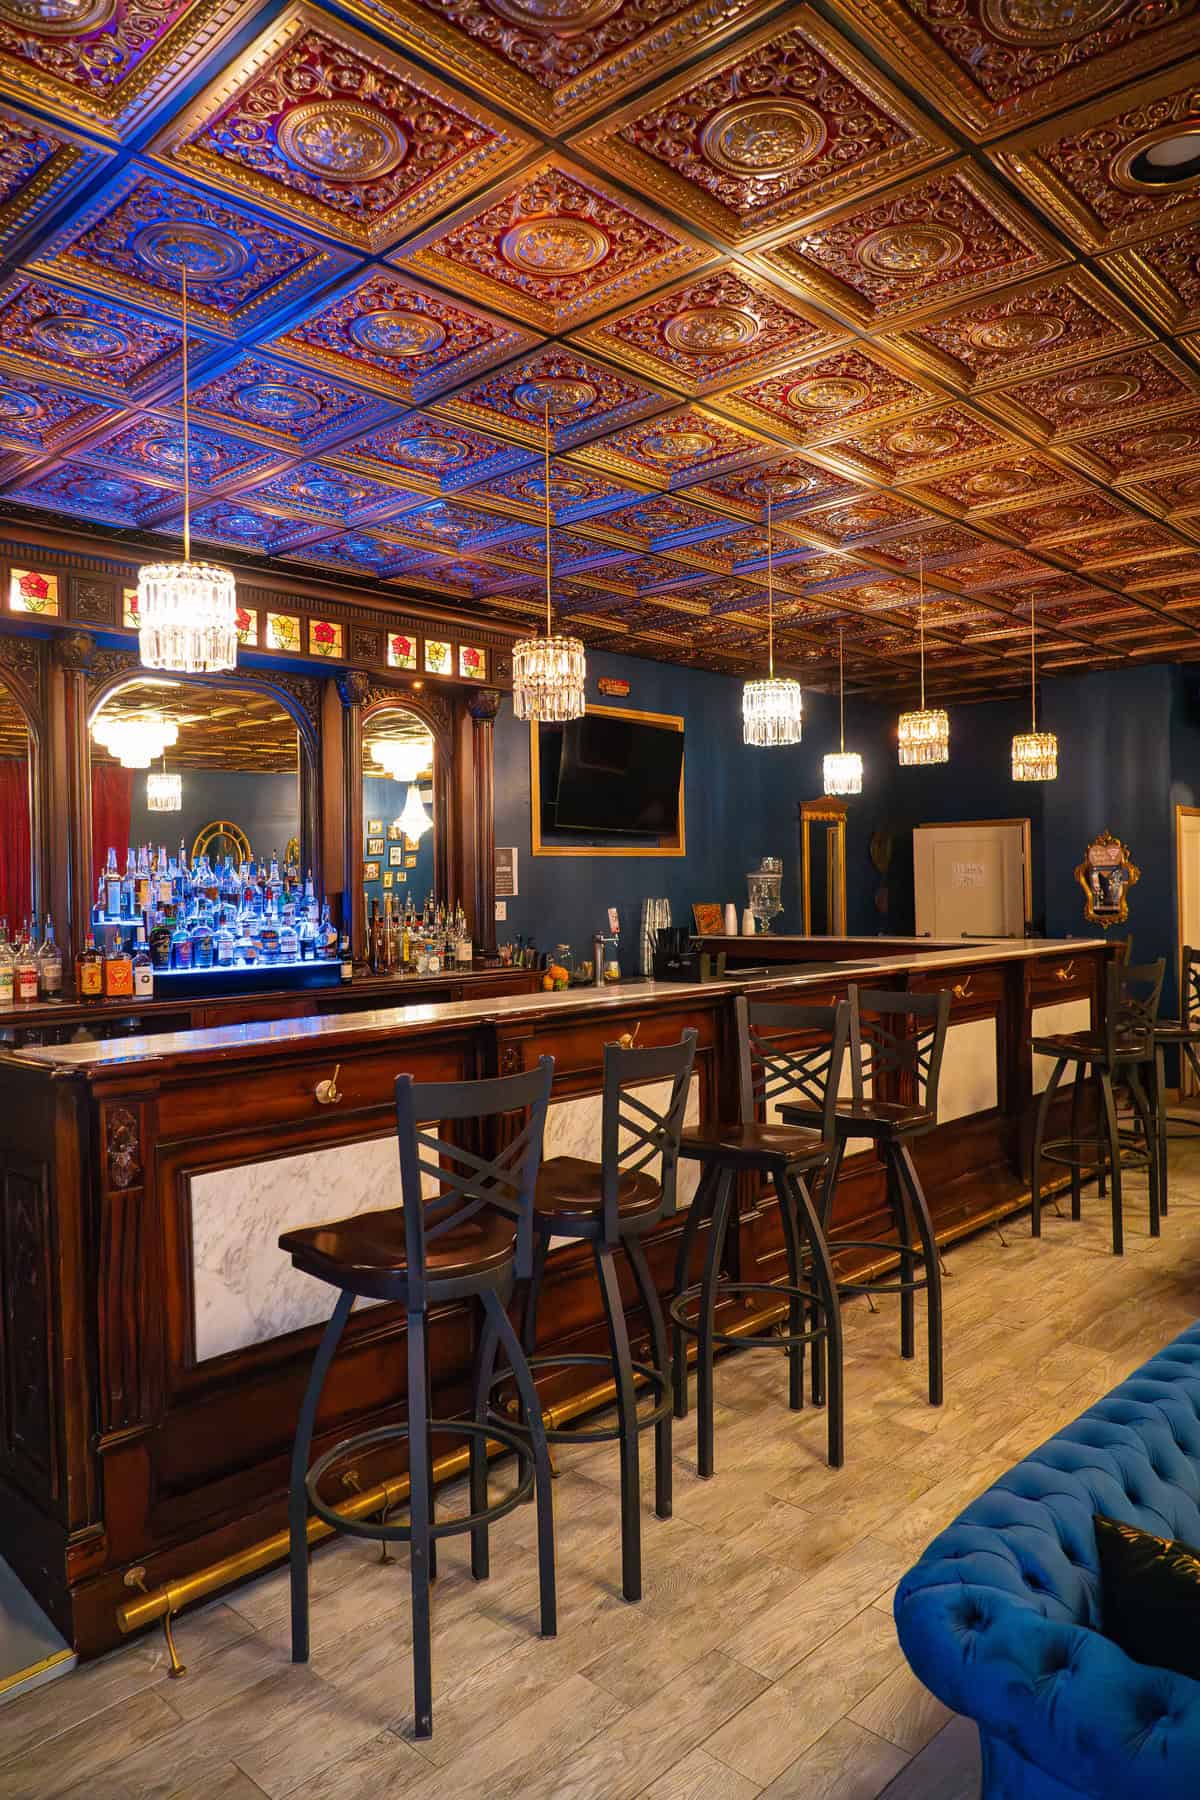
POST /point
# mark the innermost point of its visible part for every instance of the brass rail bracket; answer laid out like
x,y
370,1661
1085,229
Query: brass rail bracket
x,y
136,1578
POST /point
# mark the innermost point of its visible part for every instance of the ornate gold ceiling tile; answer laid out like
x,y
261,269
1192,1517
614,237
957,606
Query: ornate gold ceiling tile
x,y
676,449
321,124
944,236
658,521
784,125
1163,273
795,485
40,165
866,519
1118,551
991,566
554,62
1168,494
995,64
1086,396
142,229
575,493
1153,447
1056,522
103,63
1093,172
703,334
400,338
431,455
817,398
46,330
1001,482
924,444
1024,330
554,246
584,397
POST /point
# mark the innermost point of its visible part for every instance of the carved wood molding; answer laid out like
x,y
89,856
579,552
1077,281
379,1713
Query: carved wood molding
x,y
122,1147
485,705
21,671
436,709
353,687
94,601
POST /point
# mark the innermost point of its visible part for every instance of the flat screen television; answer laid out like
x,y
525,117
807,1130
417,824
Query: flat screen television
x,y
607,775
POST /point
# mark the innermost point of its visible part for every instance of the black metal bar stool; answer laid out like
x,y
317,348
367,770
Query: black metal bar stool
x,y
1183,1035
471,1240
770,1063
1120,1051
896,1043
611,1205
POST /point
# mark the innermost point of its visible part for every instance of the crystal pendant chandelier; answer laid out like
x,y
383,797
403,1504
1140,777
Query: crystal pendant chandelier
x,y
843,768
772,710
549,673
924,735
164,793
403,760
414,821
187,612
1034,752
135,739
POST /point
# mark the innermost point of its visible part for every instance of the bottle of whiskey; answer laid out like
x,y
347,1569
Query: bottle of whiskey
x,y
50,967
143,968
118,971
160,943
89,971
25,974
112,886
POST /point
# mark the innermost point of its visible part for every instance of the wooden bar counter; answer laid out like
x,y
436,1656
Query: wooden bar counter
x,y
155,1340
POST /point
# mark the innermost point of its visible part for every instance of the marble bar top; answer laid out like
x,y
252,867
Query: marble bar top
x,y
235,1042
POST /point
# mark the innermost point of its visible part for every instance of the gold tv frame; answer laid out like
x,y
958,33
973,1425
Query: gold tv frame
x,y
677,847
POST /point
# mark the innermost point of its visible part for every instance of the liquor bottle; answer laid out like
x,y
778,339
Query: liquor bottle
x,y
118,971
163,877
112,886
89,971
328,938
128,886
25,974
223,943
142,890
181,945
289,942
202,941
50,968
7,971
375,939
143,968
160,943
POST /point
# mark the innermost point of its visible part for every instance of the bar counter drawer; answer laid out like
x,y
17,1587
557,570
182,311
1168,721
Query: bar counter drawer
x,y
977,988
1068,977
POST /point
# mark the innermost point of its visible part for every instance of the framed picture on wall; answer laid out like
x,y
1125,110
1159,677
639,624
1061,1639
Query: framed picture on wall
x,y
394,834
375,846
374,827
410,862
371,871
395,856
411,843
387,878
400,876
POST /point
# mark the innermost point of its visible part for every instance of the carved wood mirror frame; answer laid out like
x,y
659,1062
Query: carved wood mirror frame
x,y
832,815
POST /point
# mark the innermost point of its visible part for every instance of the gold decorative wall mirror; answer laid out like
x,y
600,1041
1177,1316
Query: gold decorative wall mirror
x,y
400,824
1106,875
823,867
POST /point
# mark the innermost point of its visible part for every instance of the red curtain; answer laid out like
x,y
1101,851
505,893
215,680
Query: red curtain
x,y
112,803
16,895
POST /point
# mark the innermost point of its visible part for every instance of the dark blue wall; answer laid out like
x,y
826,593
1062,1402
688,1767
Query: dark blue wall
x,y
267,807
384,799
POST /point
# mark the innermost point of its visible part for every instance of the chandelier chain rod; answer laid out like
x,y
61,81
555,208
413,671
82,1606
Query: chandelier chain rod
x,y
546,484
841,689
770,598
187,455
1033,664
921,615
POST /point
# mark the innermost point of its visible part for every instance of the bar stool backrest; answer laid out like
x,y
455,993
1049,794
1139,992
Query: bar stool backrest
x,y
634,1133
901,1035
1133,996
467,1182
1189,988
769,1072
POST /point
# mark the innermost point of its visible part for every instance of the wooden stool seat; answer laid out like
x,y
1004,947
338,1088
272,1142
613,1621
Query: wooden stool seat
x,y
1090,1046
756,1145
368,1252
572,1187
877,1118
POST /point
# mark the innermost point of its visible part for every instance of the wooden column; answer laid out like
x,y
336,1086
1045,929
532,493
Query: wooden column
x,y
353,687
70,874
483,708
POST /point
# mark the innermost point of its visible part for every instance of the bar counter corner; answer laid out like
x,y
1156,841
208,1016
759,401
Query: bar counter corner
x,y
155,1342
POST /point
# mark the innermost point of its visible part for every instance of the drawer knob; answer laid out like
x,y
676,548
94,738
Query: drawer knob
x,y
626,1039
328,1093
962,989
1066,971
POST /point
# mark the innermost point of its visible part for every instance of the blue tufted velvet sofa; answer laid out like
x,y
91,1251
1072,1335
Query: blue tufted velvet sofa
x,y
1001,1615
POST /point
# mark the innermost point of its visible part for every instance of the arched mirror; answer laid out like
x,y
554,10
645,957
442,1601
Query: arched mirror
x,y
214,776
400,807
18,891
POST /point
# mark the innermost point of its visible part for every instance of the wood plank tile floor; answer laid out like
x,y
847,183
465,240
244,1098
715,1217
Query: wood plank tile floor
x,y
762,1659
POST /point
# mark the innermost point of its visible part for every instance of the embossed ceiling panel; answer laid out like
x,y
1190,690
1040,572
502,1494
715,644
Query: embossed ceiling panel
x,y
923,273
318,122
779,127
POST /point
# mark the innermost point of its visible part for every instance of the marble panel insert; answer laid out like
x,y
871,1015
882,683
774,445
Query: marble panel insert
x,y
969,1081
573,1129
1053,1021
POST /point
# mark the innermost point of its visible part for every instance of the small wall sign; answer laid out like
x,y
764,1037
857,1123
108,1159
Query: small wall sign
x,y
506,871
613,687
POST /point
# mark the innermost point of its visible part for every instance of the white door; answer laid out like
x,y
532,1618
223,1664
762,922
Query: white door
x,y
1187,851
972,879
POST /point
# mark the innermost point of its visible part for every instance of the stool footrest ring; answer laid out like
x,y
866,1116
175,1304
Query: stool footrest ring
x,y
879,1287
657,1379
387,1434
743,1339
